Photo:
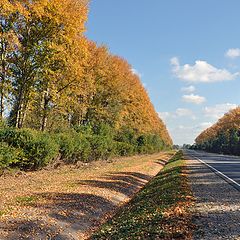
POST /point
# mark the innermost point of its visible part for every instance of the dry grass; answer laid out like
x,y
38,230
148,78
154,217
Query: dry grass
x,y
159,211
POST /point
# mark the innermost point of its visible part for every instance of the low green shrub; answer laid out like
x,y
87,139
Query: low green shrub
x,y
33,149
39,152
16,137
101,142
102,147
126,135
149,143
3,124
124,149
73,147
9,155
29,149
67,145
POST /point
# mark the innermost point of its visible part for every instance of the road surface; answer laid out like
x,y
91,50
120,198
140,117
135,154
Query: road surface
x,y
216,209
226,166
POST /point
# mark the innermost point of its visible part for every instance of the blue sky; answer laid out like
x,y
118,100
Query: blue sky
x,y
187,53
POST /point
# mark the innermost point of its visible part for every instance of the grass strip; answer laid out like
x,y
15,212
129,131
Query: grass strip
x,y
159,211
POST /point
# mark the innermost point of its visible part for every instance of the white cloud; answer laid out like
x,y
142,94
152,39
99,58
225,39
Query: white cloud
x,y
182,127
201,71
233,53
205,125
175,62
192,98
135,71
164,115
189,89
218,110
183,133
180,112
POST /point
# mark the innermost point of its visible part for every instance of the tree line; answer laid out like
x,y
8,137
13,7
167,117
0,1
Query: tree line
x,y
222,137
54,80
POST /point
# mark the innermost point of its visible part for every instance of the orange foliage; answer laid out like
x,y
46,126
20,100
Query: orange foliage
x,y
230,120
70,78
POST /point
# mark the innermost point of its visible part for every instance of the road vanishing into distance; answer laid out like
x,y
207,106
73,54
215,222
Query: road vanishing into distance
x,y
226,166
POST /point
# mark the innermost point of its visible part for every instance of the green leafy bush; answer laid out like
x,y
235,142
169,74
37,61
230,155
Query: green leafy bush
x,y
124,149
149,143
3,124
74,147
39,152
102,147
30,149
9,155
16,137
34,149
101,142
127,135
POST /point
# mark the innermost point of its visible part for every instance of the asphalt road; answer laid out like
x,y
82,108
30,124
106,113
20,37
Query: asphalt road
x,y
225,164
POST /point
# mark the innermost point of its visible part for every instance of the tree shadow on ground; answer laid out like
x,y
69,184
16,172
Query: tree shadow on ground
x,y
32,230
138,175
125,183
62,215
144,216
162,162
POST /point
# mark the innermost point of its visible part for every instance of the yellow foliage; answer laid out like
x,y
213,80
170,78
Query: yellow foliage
x,y
230,120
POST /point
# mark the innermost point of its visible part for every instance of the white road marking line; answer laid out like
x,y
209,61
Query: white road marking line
x,y
220,173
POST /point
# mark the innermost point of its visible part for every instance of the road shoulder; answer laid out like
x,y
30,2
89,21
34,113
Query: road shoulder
x,y
216,212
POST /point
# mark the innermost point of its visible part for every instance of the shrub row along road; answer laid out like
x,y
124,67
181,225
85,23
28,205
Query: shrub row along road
x,y
227,166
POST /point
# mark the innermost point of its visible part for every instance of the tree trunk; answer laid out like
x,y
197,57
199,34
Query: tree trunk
x,y
46,100
3,78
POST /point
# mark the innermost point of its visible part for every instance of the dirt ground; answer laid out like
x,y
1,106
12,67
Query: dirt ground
x,y
70,202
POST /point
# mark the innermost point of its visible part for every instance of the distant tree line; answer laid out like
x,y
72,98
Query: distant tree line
x,y
222,137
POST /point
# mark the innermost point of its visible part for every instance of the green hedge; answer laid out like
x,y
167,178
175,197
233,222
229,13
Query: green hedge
x,y
124,149
73,147
9,155
28,149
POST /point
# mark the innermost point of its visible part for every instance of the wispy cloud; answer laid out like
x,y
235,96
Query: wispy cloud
x,y
192,98
179,113
201,71
183,133
233,53
165,116
189,89
218,110
183,112
136,72
205,125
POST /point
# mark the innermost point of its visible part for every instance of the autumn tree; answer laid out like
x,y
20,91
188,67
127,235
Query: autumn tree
x,y
50,34
223,136
8,44
54,78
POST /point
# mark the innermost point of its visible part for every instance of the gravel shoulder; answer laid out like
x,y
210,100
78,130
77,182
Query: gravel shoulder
x,y
216,212
70,202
